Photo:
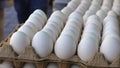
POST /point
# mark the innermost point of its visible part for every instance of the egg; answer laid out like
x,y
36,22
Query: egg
x,y
41,13
52,65
59,14
67,11
57,21
95,20
27,30
42,44
53,28
112,13
36,23
69,32
75,66
29,65
87,48
19,41
72,5
65,47
110,47
109,18
91,35
6,64
36,19
102,14
87,14
76,16
30,24
116,10
56,24
50,33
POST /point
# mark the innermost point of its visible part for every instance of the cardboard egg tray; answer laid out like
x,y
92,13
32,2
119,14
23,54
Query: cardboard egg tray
x,y
28,55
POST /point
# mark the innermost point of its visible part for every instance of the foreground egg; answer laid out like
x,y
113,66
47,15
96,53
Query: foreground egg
x,y
65,47
42,44
87,48
110,47
19,41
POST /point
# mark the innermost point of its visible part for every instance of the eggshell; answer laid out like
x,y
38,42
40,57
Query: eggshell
x,y
95,20
59,14
91,35
42,44
6,64
87,14
56,24
102,14
52,65
72,5
27,30
108,18
53,28
110,47
19,41
65,47
67,11
50,33
110,21
30,24
116,10
76,16
35,22
29,65
40,12
75,66
36,19
112,13
57,21
87,48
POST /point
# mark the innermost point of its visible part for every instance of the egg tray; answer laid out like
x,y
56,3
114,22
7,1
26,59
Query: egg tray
x,y
28,55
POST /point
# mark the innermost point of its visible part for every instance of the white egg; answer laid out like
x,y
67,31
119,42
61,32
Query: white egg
x,y
87,48
36,23
53,28
92,35
110,47
75,66
109,18
42,44
72,5
69,32
116,10
56,24
29,65
19,41
112,13
95,20
65,47
38,19
102,14
27,30
6,64
76,16
67,11
50,33
59,14
40,12
74,21
87,14
30,24
52,65
57,21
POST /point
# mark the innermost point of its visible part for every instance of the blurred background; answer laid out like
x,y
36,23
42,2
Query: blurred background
x,y
10,18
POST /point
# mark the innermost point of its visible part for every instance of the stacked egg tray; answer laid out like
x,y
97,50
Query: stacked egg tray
x,y
28,55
